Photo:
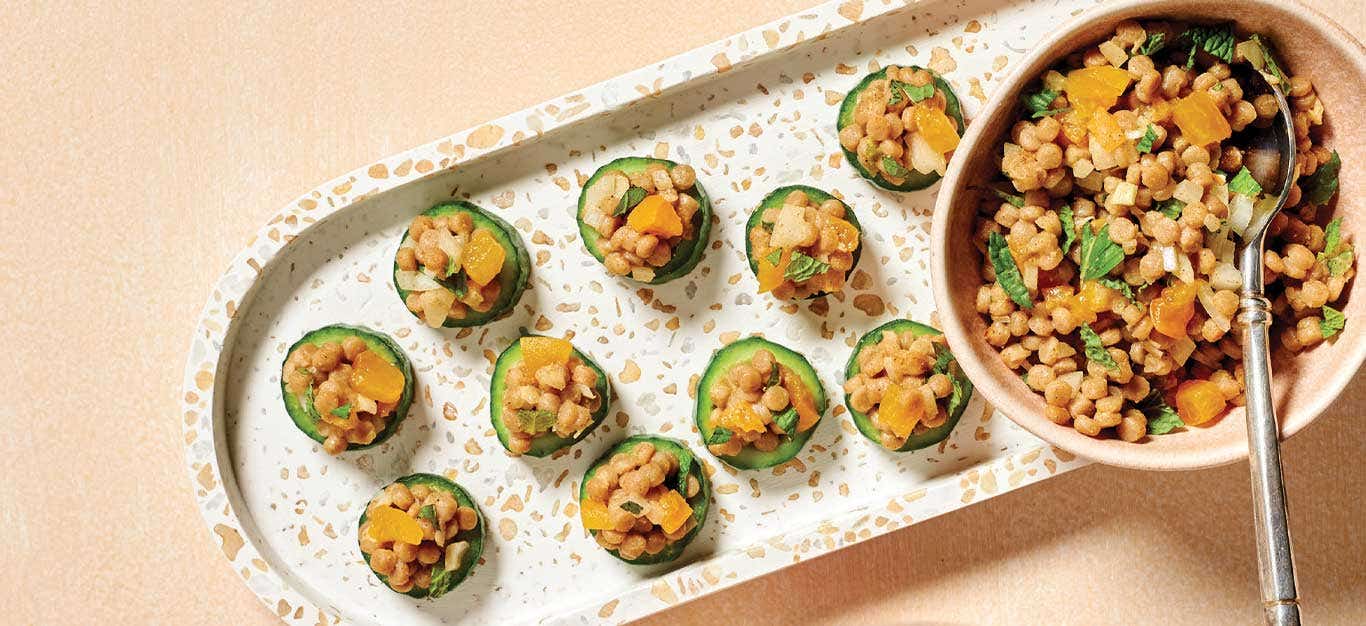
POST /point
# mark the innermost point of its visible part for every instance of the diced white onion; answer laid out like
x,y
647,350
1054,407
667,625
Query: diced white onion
x,y
1188,191
1102,158
1126,193
1239,213
1184,270
454,554
366,405
1083,168
1181,350
453,245
643,274
436,307
1168,258
1031,277
1093,183
1113,53
1053,79
407,243
1206,296
410,280
924,159
1010,149
1073,379
1225,276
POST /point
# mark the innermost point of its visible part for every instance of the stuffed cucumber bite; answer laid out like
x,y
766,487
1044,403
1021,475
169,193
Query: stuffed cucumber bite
x,y
459,265
757,403
903,387
900,126
421,535
645,499
346,387
645,218
546,395
802,242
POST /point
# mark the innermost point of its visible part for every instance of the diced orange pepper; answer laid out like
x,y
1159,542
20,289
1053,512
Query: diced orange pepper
x,y
1199,119
771,276
656,216
1173,309
1098,87
594,515
676,511
390,524
538,352
741,416
807,413
845,235
1199,401
483,257
1074,127
1106,130
899,410
936,127
376,378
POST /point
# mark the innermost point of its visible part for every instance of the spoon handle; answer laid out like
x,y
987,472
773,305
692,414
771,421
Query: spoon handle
x,y
1279,599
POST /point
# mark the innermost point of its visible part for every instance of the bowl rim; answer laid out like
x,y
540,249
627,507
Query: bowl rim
x,y
1107,451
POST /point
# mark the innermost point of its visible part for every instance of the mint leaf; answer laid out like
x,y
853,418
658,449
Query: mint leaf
x,y
1145,143
309,408
455,281
902,91
1269,64
719,435
1332,323
1007,273
774,375
1069,227
1218,41
343,411
787,420
1171,207
1153,44
1335,256
943,360
685,461
442,581
631,507
1120,286
1162,418
428,512
1014,200
1095,350
451,266
1244,184
535,421
774,257
803,268
893,168
630,199
1037,103
1320,186
1099,254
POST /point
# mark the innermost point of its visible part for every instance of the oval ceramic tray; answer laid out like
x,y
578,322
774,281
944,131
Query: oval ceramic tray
x,y
751,113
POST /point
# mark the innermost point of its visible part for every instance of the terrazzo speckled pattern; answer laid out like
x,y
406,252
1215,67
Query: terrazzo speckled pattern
x,y
751,113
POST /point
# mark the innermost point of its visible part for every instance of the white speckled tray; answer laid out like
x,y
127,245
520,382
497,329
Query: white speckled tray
x,y
752,112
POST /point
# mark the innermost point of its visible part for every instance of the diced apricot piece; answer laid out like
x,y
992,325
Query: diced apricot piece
x,y
376,378
675,511
656,216
538,352
807,413
387,523
844,234
594,515
483,257
936,127
1074,127
899,410
1173,309
1199,401
1105,129
771,276
740,416
1199,119
1092,88
1095,297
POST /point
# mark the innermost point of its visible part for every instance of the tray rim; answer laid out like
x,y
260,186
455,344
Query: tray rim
x,y
201,400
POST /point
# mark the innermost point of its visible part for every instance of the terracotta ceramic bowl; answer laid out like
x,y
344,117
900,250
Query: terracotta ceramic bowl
x,y
1304,385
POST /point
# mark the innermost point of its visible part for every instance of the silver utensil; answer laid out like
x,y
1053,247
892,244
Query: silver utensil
x,y
1271,161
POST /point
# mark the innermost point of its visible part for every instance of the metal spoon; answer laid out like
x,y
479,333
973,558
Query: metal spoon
x,y
1280,602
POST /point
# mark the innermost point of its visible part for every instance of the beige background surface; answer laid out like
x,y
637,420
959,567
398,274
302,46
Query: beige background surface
x,y
142,145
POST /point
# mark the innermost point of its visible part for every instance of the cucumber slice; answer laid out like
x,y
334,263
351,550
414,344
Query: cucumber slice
x,y
699,502
917,180
957,401
721,362
516,271
775,199
686,254
474,536
307,421
548,442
